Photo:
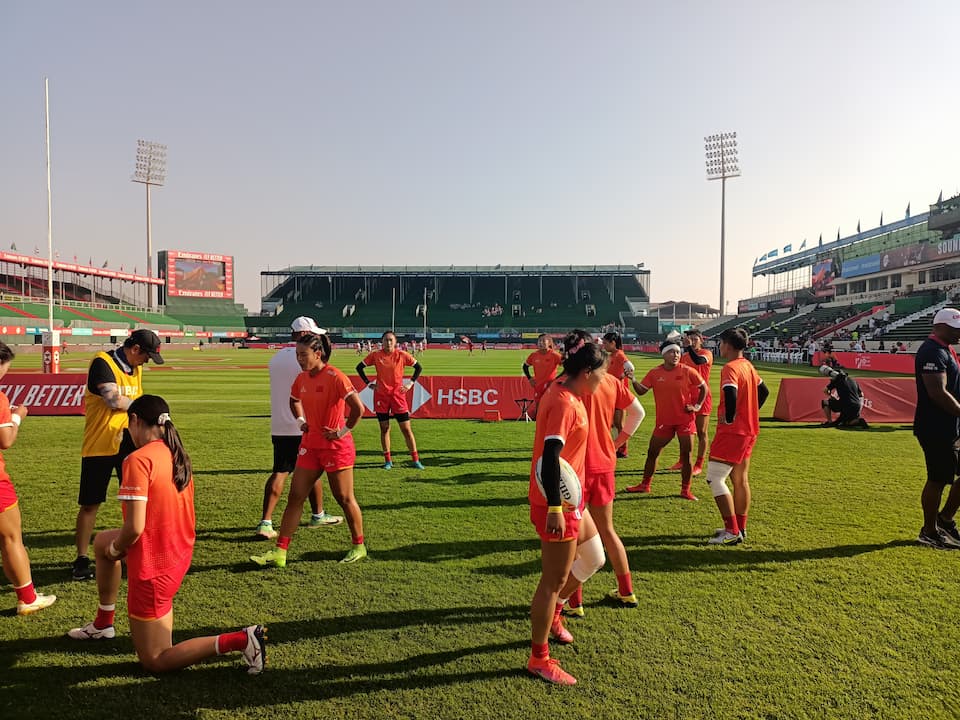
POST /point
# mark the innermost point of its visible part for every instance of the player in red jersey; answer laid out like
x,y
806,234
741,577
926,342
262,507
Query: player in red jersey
x,y
562,431
613,344
738,424
545,361
700,359
390,394
320,397
16,563
678,392
156,541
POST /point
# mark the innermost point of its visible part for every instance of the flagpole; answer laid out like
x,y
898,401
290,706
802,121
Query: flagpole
x,y
46,124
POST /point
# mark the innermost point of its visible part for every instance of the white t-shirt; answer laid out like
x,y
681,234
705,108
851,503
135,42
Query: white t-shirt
x,y
284,369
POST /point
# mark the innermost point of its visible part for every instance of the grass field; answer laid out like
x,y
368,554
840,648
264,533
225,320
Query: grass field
x,y
830,610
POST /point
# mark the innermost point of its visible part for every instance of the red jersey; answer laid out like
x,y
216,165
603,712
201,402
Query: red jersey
x,y
740,374
170,529
5,421
615,364
322,396
389,368
563,417
704,369
672,391
544,365
609,396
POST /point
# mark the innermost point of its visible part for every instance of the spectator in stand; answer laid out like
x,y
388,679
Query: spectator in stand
x,y
844,396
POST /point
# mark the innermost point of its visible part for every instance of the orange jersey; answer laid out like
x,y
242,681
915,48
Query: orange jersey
x,y
740,374
170,528
615,364
322,396
563,417
544,365
389,368
609,396
704,369
5,420
672,390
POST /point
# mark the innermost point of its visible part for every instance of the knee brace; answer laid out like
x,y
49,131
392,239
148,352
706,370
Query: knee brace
x,y
590,558
717,474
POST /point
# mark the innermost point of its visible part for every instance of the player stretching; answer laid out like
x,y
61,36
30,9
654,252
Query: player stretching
x,y
562,429
738,424
678,392
544,361
390,394
700,359
613,344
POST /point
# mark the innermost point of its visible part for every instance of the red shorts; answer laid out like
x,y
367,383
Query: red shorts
x,y
8,496
668,431
328,459
599,488
393,402
731,449
538,516
539,390
707,406
149,599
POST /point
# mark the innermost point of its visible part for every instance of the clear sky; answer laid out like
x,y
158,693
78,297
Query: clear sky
x,y
501,131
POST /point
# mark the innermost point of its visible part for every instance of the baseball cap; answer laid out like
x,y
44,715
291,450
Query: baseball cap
x,y
305,324
827,371
947,316
148,341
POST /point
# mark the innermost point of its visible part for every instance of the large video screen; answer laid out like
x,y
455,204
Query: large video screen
x,y
199,275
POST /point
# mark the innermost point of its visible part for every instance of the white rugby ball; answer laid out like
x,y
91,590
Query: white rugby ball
x,y
673,335
628,368
571,492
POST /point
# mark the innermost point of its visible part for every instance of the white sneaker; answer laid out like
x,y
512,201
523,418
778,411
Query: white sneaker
x,y
89,632
726,538
266,531
40,603
255,653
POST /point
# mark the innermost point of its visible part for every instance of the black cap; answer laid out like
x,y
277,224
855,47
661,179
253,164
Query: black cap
x,y
148,341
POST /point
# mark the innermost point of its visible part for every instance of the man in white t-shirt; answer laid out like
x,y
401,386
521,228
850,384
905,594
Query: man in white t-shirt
x,y
286,435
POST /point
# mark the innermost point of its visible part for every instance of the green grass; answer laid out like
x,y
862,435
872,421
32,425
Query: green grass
x,y
830,610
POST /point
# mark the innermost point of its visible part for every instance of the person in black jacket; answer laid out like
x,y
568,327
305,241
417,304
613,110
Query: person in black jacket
x,y
844,396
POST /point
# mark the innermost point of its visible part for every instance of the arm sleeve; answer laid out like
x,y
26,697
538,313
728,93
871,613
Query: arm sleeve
x,y
417,369
730,403
526,371
696,357
99,374
361,373
550,470
763,392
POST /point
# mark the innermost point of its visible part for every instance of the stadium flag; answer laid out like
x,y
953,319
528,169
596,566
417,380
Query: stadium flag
x,y
36,249
90,261
105,262
773,253
787,248
838,234
881,218
13,246
908,210
803,244
75,258
940,197
755,261
858,227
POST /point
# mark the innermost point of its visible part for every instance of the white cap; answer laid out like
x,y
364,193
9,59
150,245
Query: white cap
x,y
947,316
305,324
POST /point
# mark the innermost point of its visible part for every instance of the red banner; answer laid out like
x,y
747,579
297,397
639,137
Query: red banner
x,y
885,400
901,363
462,397
60,394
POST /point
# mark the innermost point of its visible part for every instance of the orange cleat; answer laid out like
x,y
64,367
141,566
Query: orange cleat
x,y
550,670
643,487
678,465
697,469
559,633
687,495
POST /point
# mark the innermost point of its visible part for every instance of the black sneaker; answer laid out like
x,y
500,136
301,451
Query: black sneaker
x,y
940,541
949,527
82,570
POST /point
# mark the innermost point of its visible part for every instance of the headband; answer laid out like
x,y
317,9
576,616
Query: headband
x,y
664,349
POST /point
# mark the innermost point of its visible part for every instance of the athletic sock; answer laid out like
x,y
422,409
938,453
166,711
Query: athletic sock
x,y
358,540
685,485
105,614
231,642
26,593
625,584
386,457
730,525
541,651
576,600
415,456
742,522
283,543
556,611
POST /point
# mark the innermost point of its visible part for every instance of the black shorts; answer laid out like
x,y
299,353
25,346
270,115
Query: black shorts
x,y
285,449
400,417
942,459
96,471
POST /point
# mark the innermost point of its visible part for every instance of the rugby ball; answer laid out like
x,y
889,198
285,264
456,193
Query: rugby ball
x,y
627,368
673,336
571,492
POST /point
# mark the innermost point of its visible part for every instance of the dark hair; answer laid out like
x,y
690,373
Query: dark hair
x,y
615,338
737,337
693,331
388,332
149,408
581,354
317,343
6,353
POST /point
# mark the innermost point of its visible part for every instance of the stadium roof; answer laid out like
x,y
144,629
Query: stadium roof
x,y
458,270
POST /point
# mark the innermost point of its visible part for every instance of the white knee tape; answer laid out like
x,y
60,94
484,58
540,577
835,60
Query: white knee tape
x,y
590,558
717,478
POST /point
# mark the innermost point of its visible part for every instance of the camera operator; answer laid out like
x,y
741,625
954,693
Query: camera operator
x,y
843,396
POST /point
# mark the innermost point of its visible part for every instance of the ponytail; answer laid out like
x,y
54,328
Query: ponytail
x,y
153,410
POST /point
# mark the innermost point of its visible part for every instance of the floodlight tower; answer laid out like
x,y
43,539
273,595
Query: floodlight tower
x,y
151,169
722,163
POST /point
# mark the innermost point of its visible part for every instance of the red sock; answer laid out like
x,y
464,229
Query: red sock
x,y
540,651
386,457
231,642
646,480
731,526
358,540
415,456
625,584
283,542
742,521
26,594
576,600
685,486
556,612
104,617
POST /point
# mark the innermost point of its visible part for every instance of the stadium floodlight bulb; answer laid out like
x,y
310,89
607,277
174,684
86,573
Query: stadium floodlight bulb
x,y
722,162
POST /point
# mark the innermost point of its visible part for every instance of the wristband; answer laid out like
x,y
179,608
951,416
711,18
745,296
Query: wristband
x,y
301,421
16,419
556,509
343,431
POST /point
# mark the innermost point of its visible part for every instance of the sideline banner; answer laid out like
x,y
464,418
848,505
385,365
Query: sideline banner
x,y
46,394
460,397
885,400
879,362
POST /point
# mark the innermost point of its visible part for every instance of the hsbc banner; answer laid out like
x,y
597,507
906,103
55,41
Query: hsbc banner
x,y
46,394
885,400
461,397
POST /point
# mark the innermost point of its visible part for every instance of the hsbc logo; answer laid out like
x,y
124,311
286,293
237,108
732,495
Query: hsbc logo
x,y
464,396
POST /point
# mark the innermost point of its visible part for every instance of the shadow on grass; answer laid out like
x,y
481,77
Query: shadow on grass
x,y
437,552
519,500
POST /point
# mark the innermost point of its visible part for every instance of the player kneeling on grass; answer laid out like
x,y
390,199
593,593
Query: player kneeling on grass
x,y
156,540
848,401
318,399
562,430
742,394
